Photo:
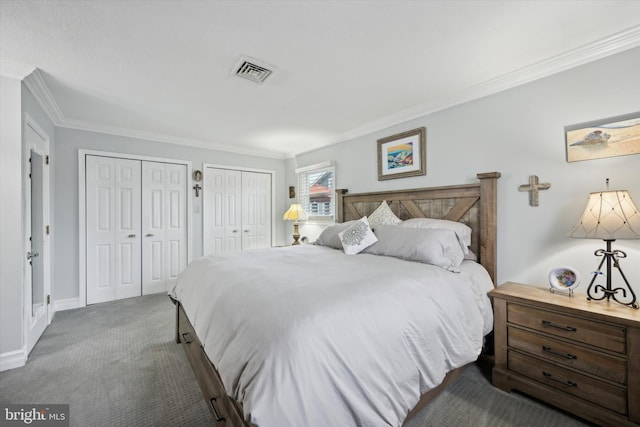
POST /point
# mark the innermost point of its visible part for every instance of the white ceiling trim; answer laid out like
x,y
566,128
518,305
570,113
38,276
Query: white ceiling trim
x,y
39,89
169,139
15,71
613,44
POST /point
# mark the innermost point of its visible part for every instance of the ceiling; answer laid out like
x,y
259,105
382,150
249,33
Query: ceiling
x,y
164,70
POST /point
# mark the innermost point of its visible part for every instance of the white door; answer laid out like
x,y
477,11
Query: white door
x,y
164,225
37,307
113,228
256,210
37,268
222,207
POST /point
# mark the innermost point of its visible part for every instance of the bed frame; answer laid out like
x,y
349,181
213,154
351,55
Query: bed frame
x,y
473,204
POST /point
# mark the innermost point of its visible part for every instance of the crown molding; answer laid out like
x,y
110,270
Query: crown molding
x,y
40,91
616,43
607,46
14,70
169,139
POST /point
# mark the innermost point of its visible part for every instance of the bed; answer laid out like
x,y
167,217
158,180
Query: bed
x,y
311,336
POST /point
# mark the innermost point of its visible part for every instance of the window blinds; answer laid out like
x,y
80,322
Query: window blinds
x,y
316,191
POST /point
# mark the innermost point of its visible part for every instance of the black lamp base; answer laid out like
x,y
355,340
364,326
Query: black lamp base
x,y
599,292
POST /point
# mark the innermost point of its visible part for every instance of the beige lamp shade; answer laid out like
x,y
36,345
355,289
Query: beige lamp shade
x,y
295,213
609,215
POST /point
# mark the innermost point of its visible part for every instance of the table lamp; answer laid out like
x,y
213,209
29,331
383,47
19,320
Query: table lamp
x,y
295,213
609,215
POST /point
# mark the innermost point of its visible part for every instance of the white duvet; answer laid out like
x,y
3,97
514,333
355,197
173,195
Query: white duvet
x,y
308,336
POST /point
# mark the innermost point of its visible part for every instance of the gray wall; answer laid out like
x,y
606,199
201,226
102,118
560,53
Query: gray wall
x,y
519,132
11,319
68,141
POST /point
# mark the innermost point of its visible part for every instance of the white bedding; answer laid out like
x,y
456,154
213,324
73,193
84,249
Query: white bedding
x,y
308,336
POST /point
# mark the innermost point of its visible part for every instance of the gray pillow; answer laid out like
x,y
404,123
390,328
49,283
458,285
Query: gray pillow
x,y
329,236
463,231
430,246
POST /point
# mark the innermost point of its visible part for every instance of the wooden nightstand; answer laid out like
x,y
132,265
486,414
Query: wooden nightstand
x,y
581,356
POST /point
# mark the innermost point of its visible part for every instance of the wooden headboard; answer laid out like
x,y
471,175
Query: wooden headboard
x,y
472,204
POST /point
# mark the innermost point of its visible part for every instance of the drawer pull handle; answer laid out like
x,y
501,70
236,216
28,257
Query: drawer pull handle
x,y
564,328
567,382
186,336
212,402
565,355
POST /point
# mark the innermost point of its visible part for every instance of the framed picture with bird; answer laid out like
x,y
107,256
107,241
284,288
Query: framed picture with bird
x,y
615,136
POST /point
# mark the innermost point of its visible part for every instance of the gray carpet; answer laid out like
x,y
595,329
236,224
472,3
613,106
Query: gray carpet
x,y
116,364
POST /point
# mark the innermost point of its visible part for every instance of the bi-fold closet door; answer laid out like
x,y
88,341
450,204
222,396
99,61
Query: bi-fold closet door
x,y
237,210
136,230
164,225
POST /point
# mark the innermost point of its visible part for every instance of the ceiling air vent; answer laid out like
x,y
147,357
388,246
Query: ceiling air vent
x,y
249,70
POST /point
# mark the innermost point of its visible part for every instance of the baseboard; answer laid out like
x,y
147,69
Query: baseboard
x,y
12,359
66,304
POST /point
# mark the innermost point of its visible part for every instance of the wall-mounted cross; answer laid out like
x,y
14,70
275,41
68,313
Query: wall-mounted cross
x,y
533,188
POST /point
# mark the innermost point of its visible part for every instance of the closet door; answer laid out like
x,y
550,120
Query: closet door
x,y
164,225
113,228
222,199
256,210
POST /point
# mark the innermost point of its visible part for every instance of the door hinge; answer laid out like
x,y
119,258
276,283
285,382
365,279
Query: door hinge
x,y
48,299
46,230
46,160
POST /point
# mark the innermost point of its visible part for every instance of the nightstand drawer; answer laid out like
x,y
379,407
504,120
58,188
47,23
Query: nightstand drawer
x,y
601,335
604,365
597,392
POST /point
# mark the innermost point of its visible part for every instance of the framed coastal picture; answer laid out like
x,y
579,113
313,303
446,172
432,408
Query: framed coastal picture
x,y
616,136
402,155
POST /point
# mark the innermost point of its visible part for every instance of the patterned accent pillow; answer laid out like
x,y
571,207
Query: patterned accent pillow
x,y
329,236
383,215
357,237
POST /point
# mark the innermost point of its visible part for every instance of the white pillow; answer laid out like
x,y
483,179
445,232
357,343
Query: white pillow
x,y
357,237
434,246
383,215
463,231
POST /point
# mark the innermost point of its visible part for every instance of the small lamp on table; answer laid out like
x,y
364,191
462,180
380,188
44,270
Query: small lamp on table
x,y
295,213
609,215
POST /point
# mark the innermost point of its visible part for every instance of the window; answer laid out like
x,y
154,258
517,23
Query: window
x,y
316,191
